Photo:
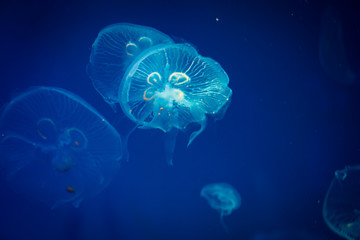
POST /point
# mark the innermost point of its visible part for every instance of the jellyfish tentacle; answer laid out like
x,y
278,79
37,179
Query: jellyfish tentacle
x,y
223,224
170,141
196,133
125,143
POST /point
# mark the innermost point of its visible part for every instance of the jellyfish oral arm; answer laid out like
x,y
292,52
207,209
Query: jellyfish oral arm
x,y
125,142
169,95
196,133
170,141
225,227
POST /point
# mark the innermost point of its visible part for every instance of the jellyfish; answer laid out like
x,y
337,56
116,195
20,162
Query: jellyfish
x,y
113,51
170,86
56,148
341,208
223,198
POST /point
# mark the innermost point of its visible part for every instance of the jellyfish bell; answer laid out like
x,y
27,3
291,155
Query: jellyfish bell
x,y
223,198
115,47
341,208
171,86
52,139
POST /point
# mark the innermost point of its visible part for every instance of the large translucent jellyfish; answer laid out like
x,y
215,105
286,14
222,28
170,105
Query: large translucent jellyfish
x,y
223,198
341,209
171,86
56,148
113,51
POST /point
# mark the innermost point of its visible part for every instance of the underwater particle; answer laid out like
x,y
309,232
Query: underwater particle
x,y
171,86
223,198
341,209
52,139
217,19
114,49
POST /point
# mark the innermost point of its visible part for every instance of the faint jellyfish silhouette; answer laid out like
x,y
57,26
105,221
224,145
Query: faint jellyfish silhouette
x,y
332,52
341,209
115,47
171,86
56,148
223,198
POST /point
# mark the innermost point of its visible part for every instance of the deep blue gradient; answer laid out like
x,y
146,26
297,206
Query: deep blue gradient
x,y
288,128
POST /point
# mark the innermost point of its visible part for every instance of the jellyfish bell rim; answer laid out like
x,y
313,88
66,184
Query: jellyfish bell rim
x,y
124,24
133,25
65,92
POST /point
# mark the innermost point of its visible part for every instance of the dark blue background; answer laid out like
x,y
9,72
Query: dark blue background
x,y
288,128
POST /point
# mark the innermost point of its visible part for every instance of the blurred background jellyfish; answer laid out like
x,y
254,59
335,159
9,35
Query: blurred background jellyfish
x,y
113,51
341,209
171,86
332,52
56,148
223,198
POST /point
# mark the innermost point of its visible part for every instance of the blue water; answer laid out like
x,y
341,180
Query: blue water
x,y
293,119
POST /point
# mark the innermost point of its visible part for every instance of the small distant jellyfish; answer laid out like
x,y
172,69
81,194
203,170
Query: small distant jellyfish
x,y
170,87
223,198
114,50
341,209
56,148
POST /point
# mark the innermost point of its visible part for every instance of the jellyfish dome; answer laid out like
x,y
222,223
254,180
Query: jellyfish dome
x,y
341,209
171,86
113,51
223,198
56,148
